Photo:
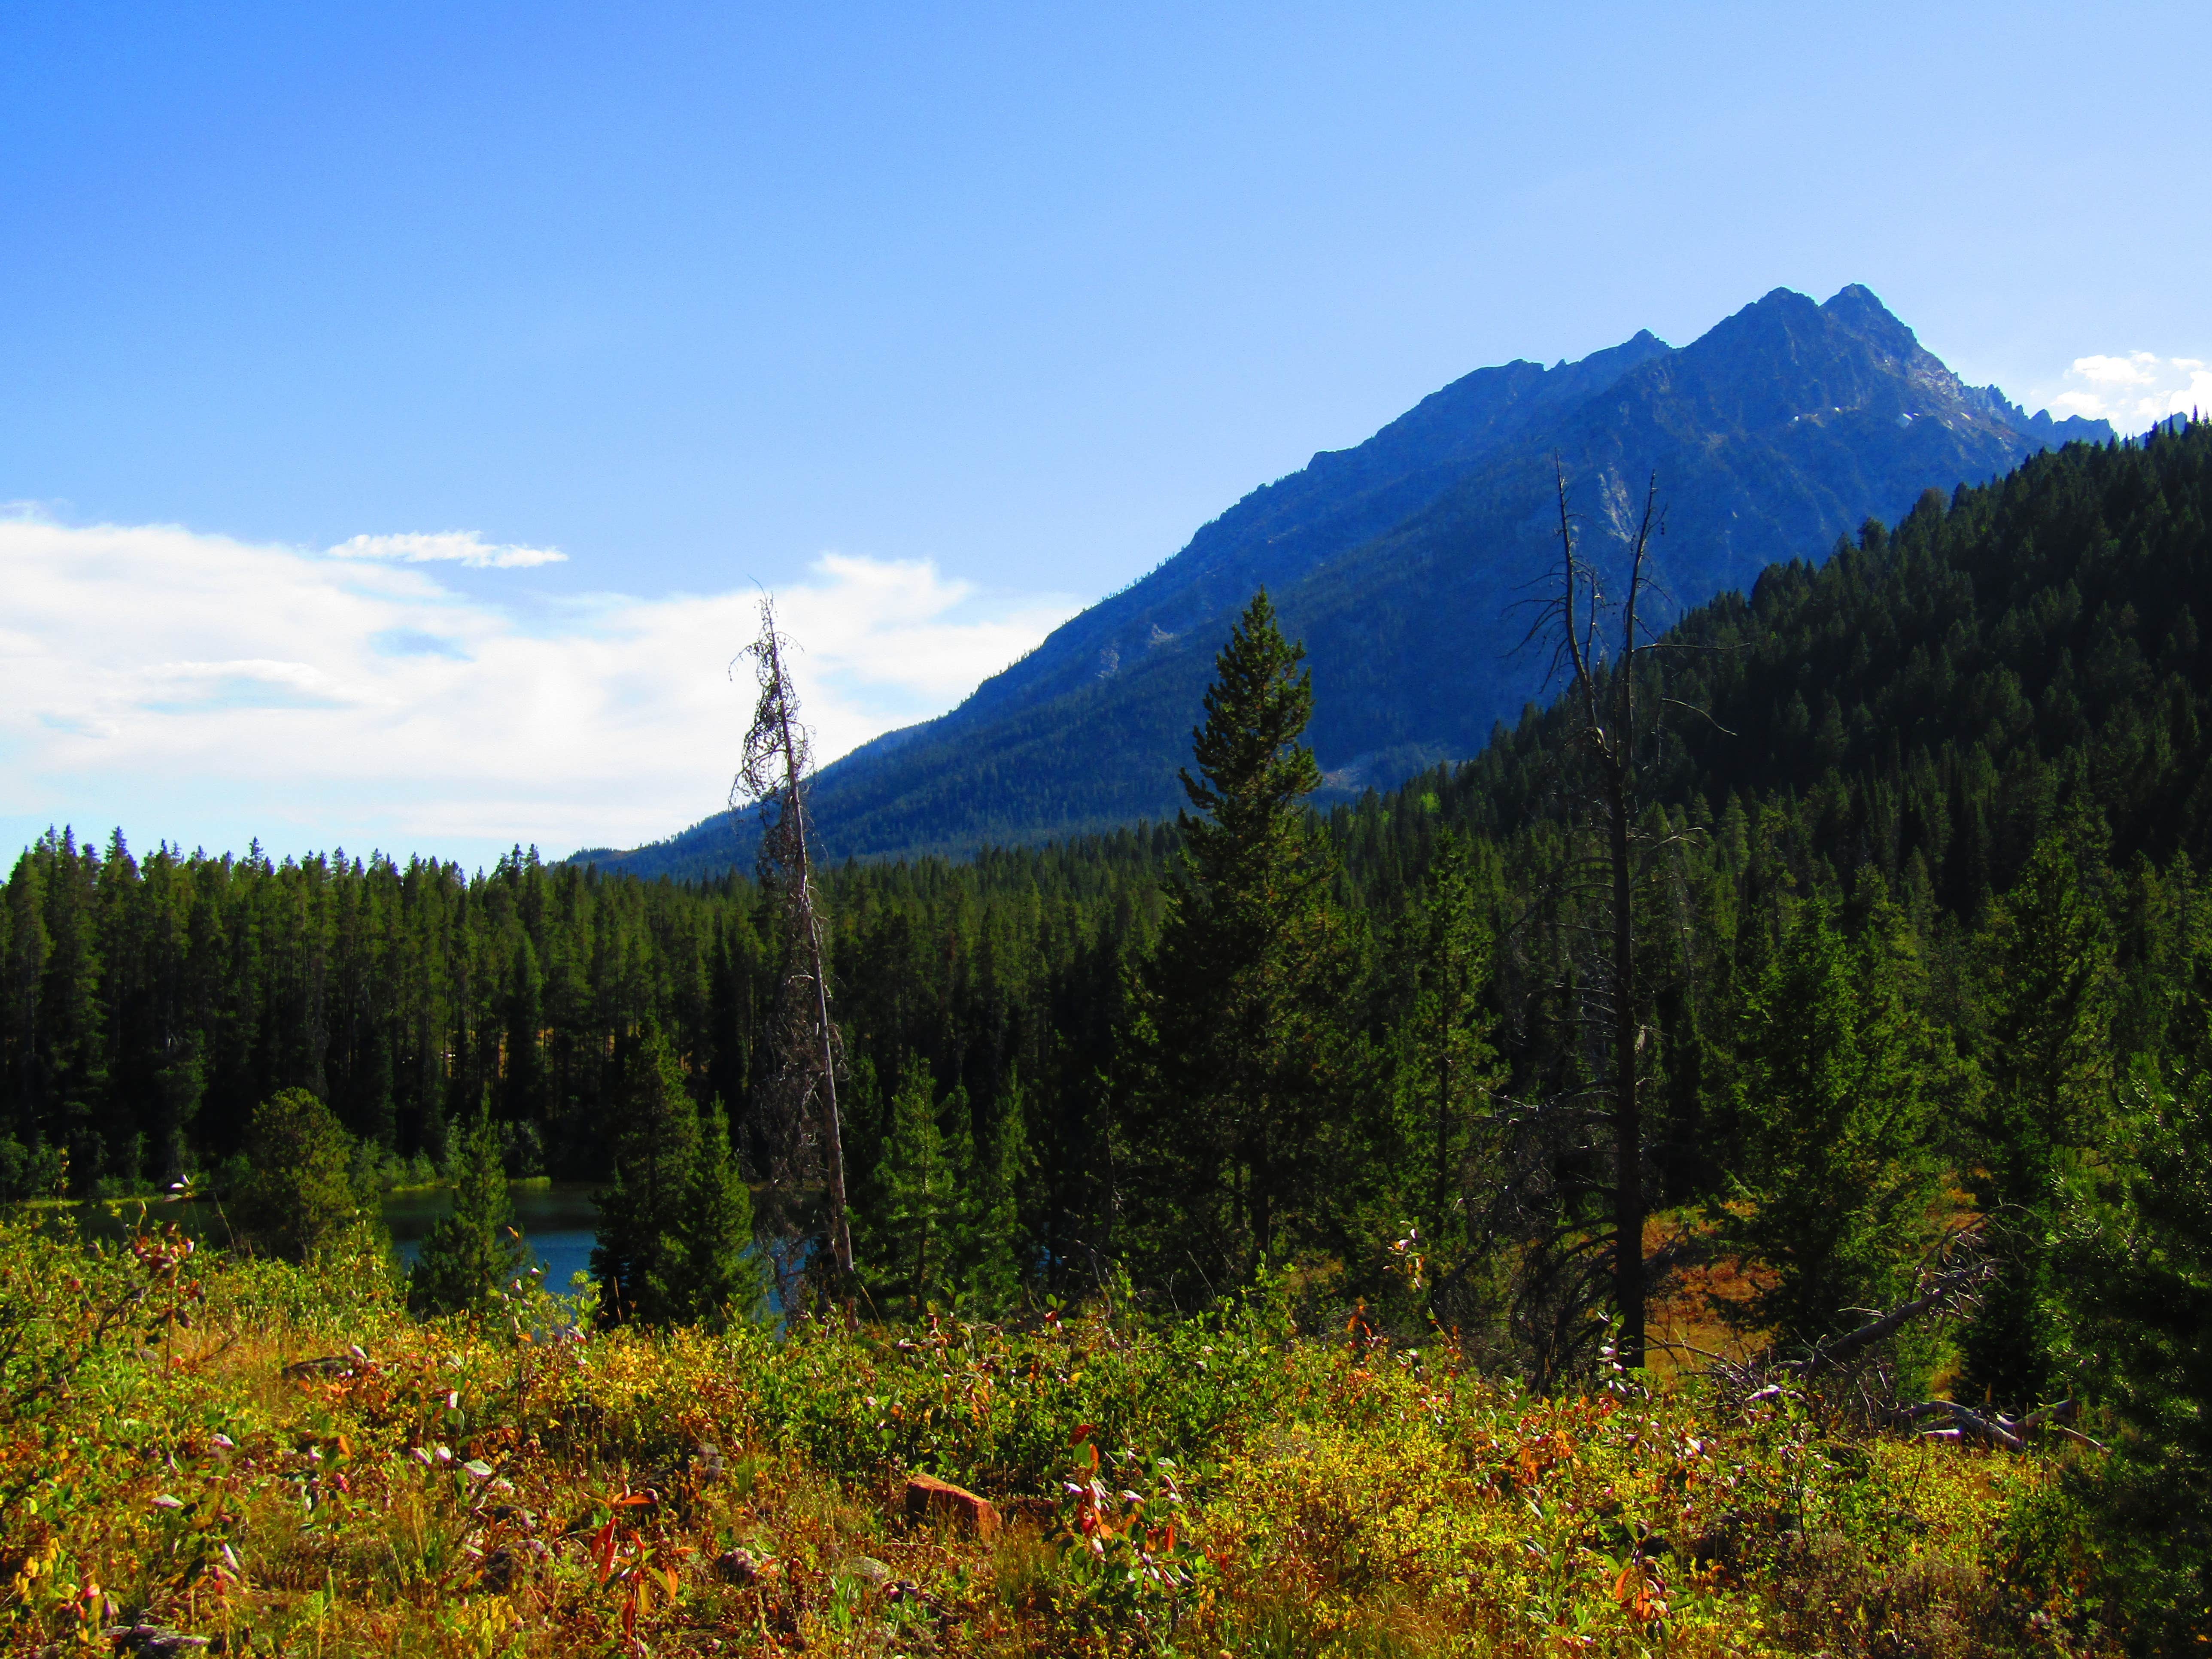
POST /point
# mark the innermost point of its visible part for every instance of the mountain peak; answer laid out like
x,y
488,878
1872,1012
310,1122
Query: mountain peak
x,y
1854,307
1400,562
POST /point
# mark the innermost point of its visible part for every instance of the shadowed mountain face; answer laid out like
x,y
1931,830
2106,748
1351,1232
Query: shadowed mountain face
x,y
1404,564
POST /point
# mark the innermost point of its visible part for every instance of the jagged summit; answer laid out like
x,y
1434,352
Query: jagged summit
x,y
1398,562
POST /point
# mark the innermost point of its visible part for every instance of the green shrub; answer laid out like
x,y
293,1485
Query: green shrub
x,y
299,1194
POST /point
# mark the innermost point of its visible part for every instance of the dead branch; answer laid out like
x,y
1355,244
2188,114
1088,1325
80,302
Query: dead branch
x,y
1994,1428
1941,1292
1949,1289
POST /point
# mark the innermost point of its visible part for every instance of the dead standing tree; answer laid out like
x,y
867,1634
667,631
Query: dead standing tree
x,y
799,1097
1614,726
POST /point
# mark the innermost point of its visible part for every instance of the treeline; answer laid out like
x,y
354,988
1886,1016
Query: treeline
x,y
151,1004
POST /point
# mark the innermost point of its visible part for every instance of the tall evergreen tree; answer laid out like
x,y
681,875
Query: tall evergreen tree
x,y
993,1269
72,1061
2136,1275
640,1259
1838,1075
914,1233
1443,1064
525,1074
2050,989
725,1275
1239,1011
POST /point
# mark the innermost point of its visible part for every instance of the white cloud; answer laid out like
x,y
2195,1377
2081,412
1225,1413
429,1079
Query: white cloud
x,y
207,690
2133,391
453,546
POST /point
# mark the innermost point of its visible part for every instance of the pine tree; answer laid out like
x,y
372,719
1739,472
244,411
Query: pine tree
x,y
725,1277
524,1080
1443,1063
470,1254
71,1059
993,1269
1239,1010
2136,1279
1838,1078
641,1259
915,1237
2050,995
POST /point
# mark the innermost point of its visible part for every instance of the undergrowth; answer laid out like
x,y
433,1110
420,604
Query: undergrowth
x,y
281,1461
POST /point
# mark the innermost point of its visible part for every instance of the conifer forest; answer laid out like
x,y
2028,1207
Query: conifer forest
x,y
1726,1169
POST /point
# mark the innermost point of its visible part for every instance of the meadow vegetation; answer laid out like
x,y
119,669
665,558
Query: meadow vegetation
x,y
280,1459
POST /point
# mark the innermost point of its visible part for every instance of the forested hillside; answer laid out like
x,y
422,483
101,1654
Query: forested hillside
x,y
1401,563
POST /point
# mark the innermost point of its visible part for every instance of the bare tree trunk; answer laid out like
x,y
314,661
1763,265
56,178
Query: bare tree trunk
x,y
1627,1110
840,1228
1611,736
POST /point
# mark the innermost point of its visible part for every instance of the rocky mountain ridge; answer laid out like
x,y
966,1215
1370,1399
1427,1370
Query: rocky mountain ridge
x,y
1401,562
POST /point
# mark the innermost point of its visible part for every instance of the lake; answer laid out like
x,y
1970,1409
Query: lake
x,y
557,1218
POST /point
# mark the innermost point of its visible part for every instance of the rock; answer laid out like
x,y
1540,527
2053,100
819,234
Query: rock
x,y
707,1462
929,1499
155,1639
738,1566
869,1571
498,1572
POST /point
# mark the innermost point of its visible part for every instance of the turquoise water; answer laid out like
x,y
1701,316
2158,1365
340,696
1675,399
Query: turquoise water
x,y
557,1218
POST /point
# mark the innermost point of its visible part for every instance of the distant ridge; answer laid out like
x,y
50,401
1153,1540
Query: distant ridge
x,y
1398,562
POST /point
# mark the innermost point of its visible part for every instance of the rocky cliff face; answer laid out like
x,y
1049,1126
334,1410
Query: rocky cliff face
x,y
1401,563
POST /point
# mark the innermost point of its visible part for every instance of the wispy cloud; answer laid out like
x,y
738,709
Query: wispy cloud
x,y
449,546
2133,390
208,689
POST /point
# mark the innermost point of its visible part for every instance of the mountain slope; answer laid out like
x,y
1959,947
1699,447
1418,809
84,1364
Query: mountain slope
x,y
1401,563
1952,689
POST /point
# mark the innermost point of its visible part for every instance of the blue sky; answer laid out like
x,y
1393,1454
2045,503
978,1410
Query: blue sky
x,y
939,320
